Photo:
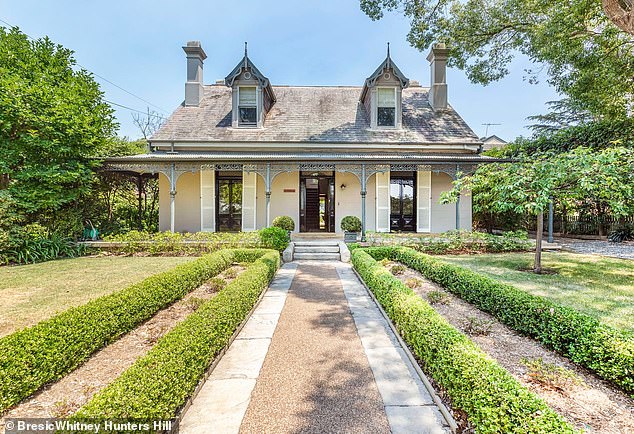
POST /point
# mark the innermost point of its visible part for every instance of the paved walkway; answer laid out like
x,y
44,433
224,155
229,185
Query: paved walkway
x,y
315,357
623,250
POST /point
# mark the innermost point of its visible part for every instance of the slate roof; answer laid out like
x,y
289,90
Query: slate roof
x,y
319,114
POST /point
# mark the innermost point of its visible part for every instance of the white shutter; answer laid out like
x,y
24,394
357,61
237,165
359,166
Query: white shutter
x,y
383,202
423,201
207,201
249,182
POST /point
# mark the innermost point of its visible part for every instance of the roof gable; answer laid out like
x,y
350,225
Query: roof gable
x,y
247,65
387,65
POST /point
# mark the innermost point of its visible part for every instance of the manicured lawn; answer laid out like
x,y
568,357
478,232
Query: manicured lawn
x,y
30,293
600,286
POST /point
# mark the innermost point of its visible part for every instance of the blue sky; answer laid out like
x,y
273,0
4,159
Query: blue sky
x,y
137,45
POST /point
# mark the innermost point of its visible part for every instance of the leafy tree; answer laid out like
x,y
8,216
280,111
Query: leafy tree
x,y
603,176
586,57
53,120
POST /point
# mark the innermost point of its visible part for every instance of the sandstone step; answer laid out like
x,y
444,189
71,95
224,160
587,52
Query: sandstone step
x,y
317,249
323,243
317,256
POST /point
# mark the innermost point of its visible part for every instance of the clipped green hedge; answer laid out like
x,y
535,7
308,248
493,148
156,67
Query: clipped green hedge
x,y
605,350
492,399
158,384
37,355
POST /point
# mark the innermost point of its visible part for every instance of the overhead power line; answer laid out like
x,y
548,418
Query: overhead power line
x,y
104,79
135,110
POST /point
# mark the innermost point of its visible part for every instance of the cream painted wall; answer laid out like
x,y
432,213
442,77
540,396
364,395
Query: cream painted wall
x,y
260,204
370,203
285,203
347,201
443,217
187,203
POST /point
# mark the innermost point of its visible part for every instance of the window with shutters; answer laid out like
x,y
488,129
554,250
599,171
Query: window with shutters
x,y
386,107
247,106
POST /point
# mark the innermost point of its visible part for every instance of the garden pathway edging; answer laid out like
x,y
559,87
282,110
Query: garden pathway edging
x,y
223,399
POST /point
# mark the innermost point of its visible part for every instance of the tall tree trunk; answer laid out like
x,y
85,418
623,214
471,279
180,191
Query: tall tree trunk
x,y
538,243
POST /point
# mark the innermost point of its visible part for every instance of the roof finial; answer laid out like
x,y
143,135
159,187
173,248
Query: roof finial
x,y
388,49
245,49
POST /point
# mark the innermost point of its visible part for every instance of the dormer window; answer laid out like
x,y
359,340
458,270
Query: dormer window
x,y
382,95
386,107
247,106
252,95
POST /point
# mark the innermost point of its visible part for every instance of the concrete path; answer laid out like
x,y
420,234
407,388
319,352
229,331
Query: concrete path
x,y
222,401
332,365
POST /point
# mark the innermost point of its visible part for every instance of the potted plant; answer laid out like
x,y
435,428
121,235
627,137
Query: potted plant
x,y
350,225
285,222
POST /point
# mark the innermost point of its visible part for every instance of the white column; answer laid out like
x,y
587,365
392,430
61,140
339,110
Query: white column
x,y
172,195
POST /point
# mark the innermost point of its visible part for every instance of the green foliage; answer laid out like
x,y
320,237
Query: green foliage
x,y
37,355
397,269
274,238
350,223
285,222
603,178
596,136
53,119
187,243
492,399
35,244
457,242
550,374
158,384
621,234
582,338
585,56
437,297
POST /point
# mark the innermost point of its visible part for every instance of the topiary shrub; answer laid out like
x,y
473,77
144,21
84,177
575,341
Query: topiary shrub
x,y
350,223
490,396
158,384
274,238
607,351
285,222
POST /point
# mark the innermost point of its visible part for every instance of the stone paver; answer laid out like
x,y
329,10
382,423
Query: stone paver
x,y
408,404
316,377
222,402
316,356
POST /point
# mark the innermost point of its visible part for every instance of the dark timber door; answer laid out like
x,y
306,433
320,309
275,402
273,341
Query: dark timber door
x,y
402,202
228,203
317,202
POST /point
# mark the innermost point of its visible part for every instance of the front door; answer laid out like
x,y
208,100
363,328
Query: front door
x,y
228,202
317,202
402,202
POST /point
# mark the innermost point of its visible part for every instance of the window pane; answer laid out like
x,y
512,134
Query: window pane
x,y
246,96
386,116
408,197
387,97
248,115
395,196
223,196
236,197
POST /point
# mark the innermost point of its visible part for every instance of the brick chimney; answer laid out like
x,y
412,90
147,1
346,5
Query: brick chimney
x,y
438,87
194,84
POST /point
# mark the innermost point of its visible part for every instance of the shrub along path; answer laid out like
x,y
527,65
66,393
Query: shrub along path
x,y
574,392
323,370
64,397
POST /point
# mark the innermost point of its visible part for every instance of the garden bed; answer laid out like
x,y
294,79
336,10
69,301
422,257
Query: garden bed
x,y
159,384
607,351
575,393
66,396
475,384
38,355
